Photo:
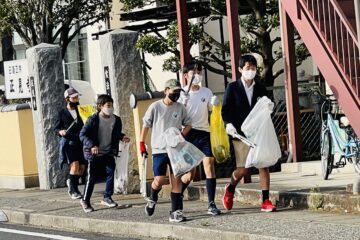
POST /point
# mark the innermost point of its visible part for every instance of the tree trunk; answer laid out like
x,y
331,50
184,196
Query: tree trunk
x,y
7,51
266,49
266,45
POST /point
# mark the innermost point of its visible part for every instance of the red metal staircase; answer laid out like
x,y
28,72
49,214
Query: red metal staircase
x,y
328,29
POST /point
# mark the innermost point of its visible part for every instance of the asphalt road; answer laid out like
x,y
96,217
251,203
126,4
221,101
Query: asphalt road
x,y
20,232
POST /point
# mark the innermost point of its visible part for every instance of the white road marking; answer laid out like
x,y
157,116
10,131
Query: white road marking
x,y
35,234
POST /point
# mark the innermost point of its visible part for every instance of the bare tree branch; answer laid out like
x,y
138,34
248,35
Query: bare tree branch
x,y
254,32
278,73
215,70
277,39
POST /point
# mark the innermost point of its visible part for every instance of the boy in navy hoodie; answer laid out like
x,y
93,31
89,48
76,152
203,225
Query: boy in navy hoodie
x,y
100,136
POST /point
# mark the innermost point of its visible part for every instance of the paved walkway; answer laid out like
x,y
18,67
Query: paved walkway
x,y
291,190
54,209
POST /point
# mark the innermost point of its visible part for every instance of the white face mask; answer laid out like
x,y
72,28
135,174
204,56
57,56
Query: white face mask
x,y
248,74
197,79
108,111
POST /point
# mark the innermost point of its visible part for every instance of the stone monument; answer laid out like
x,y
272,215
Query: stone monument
x,y
47,88
123,76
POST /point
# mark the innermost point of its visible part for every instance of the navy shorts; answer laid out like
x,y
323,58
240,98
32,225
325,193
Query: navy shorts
x,y
201,140
160,163
74,153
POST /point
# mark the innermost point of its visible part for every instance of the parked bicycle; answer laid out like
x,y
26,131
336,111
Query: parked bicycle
x,y
332,141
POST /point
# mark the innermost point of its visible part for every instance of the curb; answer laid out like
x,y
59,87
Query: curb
x,y
138,229
299,199
3,217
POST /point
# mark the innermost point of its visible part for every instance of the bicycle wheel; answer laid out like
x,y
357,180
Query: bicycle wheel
x,y
356,158
326,156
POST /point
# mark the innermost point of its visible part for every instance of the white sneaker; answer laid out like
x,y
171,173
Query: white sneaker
x,y
109,203
177,216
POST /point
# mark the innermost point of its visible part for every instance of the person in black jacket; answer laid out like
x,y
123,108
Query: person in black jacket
x,y
100,136
68,126
240,97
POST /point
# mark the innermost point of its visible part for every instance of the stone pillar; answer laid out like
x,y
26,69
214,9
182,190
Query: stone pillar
x,y
47,89
122,77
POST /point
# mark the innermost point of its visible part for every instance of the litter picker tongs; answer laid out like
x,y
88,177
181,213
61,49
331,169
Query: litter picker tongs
x,y
143,186
244,140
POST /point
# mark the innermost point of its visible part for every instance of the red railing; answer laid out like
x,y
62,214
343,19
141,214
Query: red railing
x,y
340,37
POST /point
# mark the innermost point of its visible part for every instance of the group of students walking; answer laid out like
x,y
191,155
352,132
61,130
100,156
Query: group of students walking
x,y
92,146
96,142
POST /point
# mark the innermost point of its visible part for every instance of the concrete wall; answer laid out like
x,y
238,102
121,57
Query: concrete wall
x,y
96,72
139,113
95,65
17,150
115,15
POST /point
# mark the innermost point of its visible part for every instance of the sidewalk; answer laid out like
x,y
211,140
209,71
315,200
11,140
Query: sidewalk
x,y
54,209
294,190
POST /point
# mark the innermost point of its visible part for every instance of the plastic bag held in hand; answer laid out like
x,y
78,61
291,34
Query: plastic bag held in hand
x,y
220,146
121,170
259,128
183,155
173,137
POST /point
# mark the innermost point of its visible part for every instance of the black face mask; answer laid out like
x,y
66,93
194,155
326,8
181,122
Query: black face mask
x,y
174,96
73,104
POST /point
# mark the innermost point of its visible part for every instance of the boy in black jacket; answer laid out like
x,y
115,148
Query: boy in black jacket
x,y
100,136
239,99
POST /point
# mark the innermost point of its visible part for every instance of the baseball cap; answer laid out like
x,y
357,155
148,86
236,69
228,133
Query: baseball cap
x,y
172,84
71,92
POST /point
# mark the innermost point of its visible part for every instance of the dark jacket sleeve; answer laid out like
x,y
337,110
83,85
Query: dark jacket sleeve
x,y
263,91
228,105
86,132
117,136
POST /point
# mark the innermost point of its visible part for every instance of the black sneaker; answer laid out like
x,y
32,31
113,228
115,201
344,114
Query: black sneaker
x,y
213,210
150,207
86,206
177,216
109,203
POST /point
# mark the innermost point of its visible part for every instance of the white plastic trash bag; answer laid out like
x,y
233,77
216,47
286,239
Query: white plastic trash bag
x,y
259,128
183,155
121,170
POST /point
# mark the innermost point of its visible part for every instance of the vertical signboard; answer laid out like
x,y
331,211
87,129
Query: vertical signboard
x,y
33,94
17,84
107,80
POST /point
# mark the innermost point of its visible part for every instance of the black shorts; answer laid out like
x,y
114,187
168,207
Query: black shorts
x,y
73,153
201,140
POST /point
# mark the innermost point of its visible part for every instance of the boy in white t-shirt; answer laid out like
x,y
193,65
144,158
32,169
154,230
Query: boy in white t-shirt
x,y
198,102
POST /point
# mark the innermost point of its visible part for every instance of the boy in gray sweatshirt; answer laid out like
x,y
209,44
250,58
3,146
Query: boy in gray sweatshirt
x,y
160,116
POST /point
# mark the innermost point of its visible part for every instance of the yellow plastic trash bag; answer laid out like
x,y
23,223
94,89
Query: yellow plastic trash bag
x,y
219,139
86,111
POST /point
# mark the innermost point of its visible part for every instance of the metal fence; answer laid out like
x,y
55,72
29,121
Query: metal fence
x,y
310,122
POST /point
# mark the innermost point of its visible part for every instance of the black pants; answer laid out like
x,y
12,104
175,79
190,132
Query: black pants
x,y
95,168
